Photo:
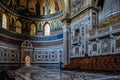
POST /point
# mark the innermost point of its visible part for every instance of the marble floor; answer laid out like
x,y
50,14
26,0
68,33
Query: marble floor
x,y
36,73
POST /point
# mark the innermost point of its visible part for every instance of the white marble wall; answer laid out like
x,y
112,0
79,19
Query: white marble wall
x,y
9,54
110,45
49,55
82,25
52,54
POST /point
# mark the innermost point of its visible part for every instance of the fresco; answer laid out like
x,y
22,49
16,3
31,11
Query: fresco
x,y
75,4
34,8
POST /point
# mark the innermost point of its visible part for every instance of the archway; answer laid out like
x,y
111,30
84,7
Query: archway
x,y
26,53
5,21
47,29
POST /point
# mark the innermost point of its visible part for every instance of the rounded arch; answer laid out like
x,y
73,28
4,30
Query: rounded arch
x,y
5,21
46,29
18,25
33,29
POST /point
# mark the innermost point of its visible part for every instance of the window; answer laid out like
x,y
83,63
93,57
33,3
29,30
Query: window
x,y
18,25
82,31
4,21
95,47
77,50
77,32
47,29
33,29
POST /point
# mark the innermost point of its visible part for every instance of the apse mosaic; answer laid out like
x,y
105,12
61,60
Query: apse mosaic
x,y
35,8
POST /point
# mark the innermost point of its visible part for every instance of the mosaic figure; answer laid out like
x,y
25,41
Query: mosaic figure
x,y
56,5
46,8
16,4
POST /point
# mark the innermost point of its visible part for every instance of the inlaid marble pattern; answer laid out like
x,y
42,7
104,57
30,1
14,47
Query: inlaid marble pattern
x,y
36,73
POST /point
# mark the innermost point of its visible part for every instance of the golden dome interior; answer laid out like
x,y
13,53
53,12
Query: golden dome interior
x,y
35,8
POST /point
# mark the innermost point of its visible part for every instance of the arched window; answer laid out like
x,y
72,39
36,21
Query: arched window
x,y
4,21
18,25
33,29
47,29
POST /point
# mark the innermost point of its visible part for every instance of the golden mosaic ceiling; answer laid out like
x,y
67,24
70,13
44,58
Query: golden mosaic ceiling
x,y
35,7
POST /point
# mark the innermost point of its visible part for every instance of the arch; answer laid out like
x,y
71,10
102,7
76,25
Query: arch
x,y
5,21
47,29
18,25
26,52
33,29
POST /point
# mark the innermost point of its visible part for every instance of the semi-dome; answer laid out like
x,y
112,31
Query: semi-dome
x,y
33,17
40,9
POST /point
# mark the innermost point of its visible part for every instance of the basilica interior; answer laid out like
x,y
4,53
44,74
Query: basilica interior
x,y
59,39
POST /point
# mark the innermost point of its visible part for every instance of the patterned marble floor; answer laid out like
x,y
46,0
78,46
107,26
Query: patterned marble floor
x,y
36,73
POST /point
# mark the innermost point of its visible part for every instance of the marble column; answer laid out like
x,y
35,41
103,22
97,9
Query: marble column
x,y
66,41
